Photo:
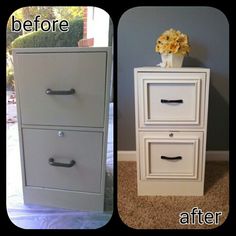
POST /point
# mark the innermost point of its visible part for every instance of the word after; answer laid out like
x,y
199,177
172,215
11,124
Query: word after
x,y
197,216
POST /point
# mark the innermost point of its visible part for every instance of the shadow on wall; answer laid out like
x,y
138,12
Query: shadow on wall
x,y
192,62
218,114
202,53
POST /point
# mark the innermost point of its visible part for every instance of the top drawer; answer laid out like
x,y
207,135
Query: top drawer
x,y
85,72
171,99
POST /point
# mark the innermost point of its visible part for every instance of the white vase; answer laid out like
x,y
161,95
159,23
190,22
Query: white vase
x,y
170,60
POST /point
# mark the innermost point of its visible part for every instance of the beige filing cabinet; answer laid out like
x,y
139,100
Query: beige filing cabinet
x,y
171,107
62,106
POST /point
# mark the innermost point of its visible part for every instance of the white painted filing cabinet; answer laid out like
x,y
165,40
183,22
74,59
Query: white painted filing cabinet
x,y
62,105
171,107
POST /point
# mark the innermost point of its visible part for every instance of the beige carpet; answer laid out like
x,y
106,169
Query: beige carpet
x,y
158,212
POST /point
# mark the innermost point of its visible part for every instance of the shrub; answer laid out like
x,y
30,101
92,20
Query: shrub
x,y
10,79
11,36
52,39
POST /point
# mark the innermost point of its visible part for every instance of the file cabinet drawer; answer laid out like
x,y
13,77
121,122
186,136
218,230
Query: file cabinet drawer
x,y
60,88
171,101
169,155
62,159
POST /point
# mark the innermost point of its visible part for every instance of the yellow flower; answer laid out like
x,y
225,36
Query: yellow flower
x,y
172,41
174,47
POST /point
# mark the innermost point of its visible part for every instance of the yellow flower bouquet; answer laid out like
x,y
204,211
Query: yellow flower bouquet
x,y
173,41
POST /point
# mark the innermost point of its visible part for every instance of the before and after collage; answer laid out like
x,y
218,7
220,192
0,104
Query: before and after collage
x,y
123,124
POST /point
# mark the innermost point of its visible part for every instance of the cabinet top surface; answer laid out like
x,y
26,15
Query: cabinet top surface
x,y
60,49
160,69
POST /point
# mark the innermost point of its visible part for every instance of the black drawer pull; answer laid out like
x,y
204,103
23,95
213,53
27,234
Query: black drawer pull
x,y
60,92
52,163
171,158
172,101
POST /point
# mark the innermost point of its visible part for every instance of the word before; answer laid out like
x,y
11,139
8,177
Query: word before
x,y
36,24
197,216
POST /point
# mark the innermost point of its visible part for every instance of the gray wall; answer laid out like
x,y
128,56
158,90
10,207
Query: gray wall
x,y
208,32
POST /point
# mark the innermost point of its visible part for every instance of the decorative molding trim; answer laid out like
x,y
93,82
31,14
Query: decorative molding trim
x,y
210,155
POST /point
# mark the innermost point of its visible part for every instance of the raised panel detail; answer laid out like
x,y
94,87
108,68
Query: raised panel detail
x,y
171,99
169,158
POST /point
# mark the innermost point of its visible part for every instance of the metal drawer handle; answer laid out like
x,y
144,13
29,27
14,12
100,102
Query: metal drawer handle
x,y
172,101
52,163
171,158
60,92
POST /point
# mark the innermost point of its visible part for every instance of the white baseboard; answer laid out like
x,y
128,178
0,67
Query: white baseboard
x,y
217,155
126,155
210,155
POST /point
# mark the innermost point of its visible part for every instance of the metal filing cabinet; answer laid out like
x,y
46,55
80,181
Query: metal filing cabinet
x,y
63,105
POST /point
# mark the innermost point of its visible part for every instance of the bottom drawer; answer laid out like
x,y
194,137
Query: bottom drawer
x,y
62,159
169,155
